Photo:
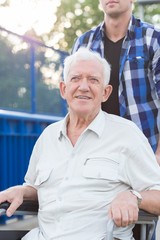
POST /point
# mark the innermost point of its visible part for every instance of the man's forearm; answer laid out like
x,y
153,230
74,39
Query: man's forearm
x,y
30,193
151,201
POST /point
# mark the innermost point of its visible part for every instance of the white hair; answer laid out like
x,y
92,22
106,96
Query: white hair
x,y
86,54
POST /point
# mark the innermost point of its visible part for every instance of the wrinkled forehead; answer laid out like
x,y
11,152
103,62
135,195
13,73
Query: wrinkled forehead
x,y
86,65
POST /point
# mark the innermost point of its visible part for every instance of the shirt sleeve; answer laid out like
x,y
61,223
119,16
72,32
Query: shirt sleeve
x,y
156,63
33,163
139,168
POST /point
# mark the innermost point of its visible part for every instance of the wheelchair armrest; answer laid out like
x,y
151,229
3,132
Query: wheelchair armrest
x,y
145,216
26,208
31,207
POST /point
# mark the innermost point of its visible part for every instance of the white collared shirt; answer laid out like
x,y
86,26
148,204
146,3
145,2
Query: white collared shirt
x,y
77,183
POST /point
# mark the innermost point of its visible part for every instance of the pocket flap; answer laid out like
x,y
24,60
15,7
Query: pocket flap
x,y
101,169
42,176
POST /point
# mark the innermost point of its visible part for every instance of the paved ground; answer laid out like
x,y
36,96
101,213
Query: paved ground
x,y
30,222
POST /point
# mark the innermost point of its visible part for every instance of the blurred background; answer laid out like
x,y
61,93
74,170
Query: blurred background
x,y
35,37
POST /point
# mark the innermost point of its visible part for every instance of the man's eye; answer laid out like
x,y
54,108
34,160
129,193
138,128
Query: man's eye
x,y
93,80
75,79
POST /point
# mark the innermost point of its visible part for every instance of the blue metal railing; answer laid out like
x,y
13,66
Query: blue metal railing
x,y
18,133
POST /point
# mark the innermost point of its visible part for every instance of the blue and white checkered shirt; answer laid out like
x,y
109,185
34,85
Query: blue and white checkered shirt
x,y
139,74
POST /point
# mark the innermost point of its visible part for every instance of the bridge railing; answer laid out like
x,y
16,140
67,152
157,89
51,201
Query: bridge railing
x,y
18,133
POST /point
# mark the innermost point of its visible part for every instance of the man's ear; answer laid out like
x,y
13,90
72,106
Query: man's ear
x,y
107,92
62,88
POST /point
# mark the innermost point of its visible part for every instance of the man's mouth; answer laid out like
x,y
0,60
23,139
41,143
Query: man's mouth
x,y
111,2
83,97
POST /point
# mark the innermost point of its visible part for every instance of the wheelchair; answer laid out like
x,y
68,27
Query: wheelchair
x,y
143,230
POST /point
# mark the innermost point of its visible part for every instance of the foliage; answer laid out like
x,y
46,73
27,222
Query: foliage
x,y
151,13
74,18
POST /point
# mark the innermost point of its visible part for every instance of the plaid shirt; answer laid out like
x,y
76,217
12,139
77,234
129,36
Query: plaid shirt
x,y
139,74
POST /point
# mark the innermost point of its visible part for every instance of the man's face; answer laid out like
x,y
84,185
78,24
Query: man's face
x,y
84,89
114,8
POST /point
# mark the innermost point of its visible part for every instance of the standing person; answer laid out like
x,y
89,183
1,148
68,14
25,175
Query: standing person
x,y
132,47
83,169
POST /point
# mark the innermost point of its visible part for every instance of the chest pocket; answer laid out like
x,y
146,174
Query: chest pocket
x,y
140,66
42,177
101,168
43,183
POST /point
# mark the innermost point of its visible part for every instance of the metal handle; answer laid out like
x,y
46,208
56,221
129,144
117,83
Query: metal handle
x,y
2,211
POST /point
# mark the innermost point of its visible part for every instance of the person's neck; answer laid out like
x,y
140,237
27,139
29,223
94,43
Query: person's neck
x,y
74,130
76,125
116,28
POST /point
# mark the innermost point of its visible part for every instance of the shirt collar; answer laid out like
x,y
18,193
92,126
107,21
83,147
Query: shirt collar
x,y
134,22
101,26
131,27
62,128
97,125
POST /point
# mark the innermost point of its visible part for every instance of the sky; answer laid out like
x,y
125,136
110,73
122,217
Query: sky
x,y
22,15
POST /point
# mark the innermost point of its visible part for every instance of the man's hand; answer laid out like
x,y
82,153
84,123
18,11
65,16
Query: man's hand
x,y
124,209
13,195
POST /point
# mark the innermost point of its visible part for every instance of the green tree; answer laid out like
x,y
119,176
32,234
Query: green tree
x,y
74,18
151,13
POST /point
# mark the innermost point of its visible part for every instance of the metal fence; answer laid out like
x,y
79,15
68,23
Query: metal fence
x,y
18,133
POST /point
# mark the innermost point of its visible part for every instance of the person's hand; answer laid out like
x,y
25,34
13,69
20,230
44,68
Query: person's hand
x,y
124,209
13,195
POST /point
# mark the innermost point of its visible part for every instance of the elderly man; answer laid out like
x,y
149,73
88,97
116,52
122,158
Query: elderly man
x,y
89,167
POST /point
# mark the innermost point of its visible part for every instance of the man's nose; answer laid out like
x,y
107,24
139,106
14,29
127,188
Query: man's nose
x,y
84,84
